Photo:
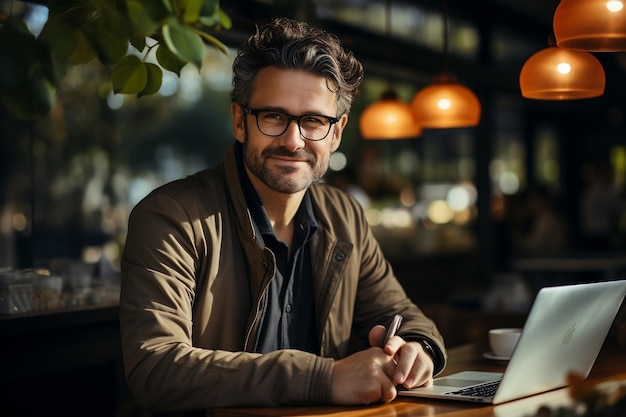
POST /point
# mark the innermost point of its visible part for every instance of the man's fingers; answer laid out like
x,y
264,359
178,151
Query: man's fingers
x,y
377,335
414,366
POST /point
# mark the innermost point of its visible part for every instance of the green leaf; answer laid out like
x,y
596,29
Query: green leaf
x,y
144,19
188,10
183,41
215,42
108,29
218,20
21,27
65,6
209,7
138,42
168,60
43,92
109,44
155,79
83,52
129,76
32,89
23,58
210,21
225,20
30,99
167,4
15,61
59,36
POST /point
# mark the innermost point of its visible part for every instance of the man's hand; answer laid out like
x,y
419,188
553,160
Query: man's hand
x,y
372,375
414,366
363,378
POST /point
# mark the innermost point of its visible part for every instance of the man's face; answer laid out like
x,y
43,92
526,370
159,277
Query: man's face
x,y
287,163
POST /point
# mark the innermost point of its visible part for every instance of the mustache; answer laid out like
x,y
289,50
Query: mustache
x,y
283,152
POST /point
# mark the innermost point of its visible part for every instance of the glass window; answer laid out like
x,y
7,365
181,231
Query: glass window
x,y
409,22
507,169
547,157
510,49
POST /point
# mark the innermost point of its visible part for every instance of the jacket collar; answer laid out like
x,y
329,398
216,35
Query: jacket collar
x,y
232,175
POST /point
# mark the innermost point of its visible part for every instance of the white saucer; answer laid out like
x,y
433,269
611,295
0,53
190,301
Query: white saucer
x,y
494,357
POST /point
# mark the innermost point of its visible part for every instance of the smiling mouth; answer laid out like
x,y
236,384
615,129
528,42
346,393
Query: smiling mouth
x,y
281,154
286,165
289,160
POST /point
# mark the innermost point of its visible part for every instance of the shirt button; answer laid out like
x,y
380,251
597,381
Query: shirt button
x,y
288,308
340,256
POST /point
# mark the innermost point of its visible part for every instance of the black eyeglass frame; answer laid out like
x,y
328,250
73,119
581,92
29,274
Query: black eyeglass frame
x,y
256,112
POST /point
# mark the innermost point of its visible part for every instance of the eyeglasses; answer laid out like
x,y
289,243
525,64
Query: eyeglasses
x,y
313,127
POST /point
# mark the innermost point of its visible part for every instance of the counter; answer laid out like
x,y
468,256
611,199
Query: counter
x,y
62,363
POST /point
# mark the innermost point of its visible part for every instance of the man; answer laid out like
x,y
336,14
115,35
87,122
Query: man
x,y
243,285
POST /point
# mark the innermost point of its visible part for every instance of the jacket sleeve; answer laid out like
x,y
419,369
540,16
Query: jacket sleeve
x,y
164,370
380,296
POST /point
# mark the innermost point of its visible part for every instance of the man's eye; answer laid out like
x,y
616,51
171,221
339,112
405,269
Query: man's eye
x,y
313,120
273,116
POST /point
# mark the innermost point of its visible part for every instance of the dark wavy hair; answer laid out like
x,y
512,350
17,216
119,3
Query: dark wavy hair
x,y
287,44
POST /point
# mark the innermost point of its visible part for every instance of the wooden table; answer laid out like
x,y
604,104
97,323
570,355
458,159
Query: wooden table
x,y
609,367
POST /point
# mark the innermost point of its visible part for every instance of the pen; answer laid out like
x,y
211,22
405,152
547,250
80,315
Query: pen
x,y
393,328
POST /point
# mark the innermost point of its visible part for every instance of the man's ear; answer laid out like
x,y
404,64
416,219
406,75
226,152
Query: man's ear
x,y
337,132
239,127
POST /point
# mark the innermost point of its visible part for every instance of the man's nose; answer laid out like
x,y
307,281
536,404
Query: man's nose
x,y
292,139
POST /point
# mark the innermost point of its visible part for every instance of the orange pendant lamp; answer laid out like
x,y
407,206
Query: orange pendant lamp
x,y
388,118
446,103
562,74
591,25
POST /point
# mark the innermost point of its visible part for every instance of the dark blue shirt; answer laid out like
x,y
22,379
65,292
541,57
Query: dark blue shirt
x,y
289,321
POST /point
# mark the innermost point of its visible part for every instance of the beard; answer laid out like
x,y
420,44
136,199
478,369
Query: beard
x,y
283,179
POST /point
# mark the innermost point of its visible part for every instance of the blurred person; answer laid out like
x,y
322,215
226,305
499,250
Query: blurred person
x,y
243,285
543,229
599,209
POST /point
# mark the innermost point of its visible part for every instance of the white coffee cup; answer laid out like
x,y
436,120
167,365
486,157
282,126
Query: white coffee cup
x,y
503,341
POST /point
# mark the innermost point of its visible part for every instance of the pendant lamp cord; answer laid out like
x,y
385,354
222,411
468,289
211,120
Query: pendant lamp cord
x,y
445,36
388,43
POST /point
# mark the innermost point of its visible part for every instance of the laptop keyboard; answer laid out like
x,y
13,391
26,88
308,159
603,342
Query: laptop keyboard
x,y
487,389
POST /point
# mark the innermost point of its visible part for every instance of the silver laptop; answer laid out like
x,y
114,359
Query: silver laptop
x,y
563,333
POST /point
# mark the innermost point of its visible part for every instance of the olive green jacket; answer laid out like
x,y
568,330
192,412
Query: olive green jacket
x,y
194,285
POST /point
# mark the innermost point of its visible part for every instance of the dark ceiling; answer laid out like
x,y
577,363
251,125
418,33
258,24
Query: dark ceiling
x,y
539,10
532,18
528,19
